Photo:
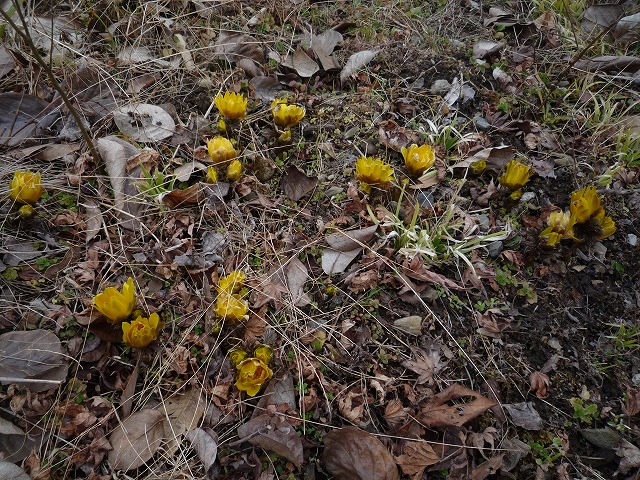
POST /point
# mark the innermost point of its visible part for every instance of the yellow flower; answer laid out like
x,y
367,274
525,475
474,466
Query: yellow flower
x,y
418,159
221,150
263,353
285,137
212,175
560,226
232,283
234,170
222,126
285,115
231,308
114,305
237,356
477,167
252,374
606,224
26,211
516,175
142,331
231,105
26,187
585,204
373,172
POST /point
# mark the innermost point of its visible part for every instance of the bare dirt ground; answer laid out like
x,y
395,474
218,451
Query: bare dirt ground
x,y
422,328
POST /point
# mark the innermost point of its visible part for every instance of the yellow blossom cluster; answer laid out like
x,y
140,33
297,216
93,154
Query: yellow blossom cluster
x,y
118,306
231,105
586,207
253,372
230,305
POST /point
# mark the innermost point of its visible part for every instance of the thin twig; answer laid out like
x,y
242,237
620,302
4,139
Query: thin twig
x,y
47,68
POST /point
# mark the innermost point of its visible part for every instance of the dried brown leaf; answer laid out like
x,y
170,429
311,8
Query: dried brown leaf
x,y
136,439
632,405
32,359
437,413
192,195
539,384
426,364
296,184
355,63
416,457
353,454
274,434
15,445
205,443
351,239
183,413
630,457
524,415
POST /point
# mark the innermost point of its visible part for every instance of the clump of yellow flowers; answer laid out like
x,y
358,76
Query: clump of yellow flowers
x,y
231,105
230,306
285,115
585,208
26,188
142,331
418,159
253,372
373,172
117,306
221,150
515,177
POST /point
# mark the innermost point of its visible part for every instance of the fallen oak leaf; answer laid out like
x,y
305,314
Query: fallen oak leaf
x,y
436,413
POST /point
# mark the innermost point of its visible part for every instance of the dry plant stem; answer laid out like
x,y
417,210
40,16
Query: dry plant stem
x,y
54,83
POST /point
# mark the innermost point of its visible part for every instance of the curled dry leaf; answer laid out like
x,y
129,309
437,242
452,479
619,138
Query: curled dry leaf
x,y
355,63
353,454
630,457
32,359
539,383
136,439
437,413
274,434
296,184
205,443
416,457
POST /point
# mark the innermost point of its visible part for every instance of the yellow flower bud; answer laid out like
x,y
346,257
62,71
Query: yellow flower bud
x,y
516,175
560,226
237,356
252,374
25,187
585,204
286,116
285,137
114,305
418,159
222,126
212,175
263,353
221,150
231,308
234,170
477,167
231,105
142,331
606,224
26,212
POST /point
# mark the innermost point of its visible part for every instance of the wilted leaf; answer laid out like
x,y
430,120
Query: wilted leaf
x,y
15,445
353,454
303,64
437,413
24,117
144,122
487,468
539,383
115,152
234,47
184,172
426,364
417,271
351,239
32,359
355,63
411,325
296,184
334,261
136,439
524,415
391,135
93,219
205,443
610,63
9,471
265,88
192,195
632,405
274,434
416,457
184,413
602,16
515,450
496,157
630,457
